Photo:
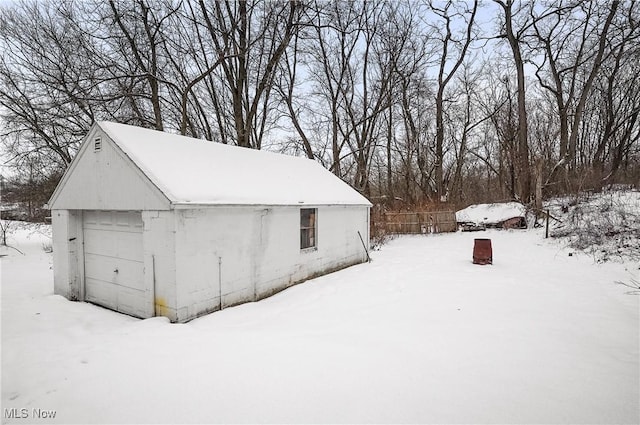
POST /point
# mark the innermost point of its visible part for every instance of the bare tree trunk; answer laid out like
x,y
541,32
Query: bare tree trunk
x,y
539,179
522,152
562,35
443,81
149,67
577,119
389,153
250,57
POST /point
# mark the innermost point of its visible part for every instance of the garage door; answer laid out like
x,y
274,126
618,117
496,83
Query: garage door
x,y
114,265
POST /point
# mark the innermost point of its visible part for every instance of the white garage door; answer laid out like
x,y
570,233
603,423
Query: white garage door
x,y
114,265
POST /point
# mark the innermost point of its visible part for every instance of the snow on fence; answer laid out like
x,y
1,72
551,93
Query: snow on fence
x,y
417,222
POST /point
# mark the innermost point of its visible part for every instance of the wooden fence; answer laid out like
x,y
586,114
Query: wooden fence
x,y
419,222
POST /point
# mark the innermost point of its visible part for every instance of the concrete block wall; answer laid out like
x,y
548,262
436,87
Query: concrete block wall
x,y
160,261
248,253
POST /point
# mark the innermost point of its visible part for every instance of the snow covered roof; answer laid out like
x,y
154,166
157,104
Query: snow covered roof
x,y
192,171
490,213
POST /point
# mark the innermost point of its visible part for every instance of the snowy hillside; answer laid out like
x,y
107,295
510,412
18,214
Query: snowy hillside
x,y
604,225
419,335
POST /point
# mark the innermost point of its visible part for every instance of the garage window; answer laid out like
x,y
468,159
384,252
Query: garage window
x,y
308,228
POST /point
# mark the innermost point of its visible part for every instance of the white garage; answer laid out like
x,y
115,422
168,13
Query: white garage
x,y
149,224
113,260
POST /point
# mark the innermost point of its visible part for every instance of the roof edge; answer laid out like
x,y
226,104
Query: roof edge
x,y
189,205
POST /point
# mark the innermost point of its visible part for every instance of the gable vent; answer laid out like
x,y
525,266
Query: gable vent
x,y
97,144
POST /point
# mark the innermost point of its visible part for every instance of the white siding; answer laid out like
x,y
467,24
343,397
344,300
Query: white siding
x,y
160,260
67,254
250,252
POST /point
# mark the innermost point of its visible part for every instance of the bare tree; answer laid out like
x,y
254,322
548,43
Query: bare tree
x,y
616,96
514,32
45,81
573,39
135,35
465,118
387,95
292,95
251,37
453,49
337,32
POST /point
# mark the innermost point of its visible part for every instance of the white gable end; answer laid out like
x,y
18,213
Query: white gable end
x,y
101,177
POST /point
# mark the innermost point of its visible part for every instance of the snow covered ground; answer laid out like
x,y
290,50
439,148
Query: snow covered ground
x,y
419,335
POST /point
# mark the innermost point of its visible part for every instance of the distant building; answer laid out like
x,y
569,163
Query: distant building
x,y
507,215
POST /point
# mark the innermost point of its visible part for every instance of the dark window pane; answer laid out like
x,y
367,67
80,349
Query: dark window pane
x,y
307,217
307,228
